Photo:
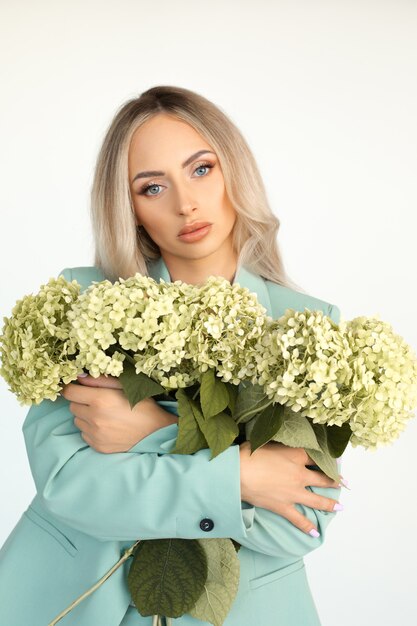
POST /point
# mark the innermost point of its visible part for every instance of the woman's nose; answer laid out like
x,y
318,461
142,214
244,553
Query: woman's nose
x,y
187,207
187,203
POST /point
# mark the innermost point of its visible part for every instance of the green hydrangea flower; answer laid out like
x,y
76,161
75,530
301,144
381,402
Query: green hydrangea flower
x,y
35,348
228,321
302,361
359,372
150,320
384,382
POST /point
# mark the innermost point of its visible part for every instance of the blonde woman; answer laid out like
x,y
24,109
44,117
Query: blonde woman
x,y
176,195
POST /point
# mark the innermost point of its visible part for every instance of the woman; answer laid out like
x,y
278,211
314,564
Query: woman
x,y
171,162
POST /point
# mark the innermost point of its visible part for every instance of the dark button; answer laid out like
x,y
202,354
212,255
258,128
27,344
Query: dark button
x,y
206,524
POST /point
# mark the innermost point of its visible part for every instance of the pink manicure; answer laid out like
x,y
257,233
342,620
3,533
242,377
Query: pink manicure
x,y
338,507
313,532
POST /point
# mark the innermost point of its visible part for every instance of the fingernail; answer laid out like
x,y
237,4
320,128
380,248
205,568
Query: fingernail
x,y
314,533
338,507
344,483
82,375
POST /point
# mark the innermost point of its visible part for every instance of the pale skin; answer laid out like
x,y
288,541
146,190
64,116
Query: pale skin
x,y
275,476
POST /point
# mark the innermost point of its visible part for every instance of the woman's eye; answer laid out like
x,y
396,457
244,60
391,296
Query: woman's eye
x,y
203,166
146,187
200,166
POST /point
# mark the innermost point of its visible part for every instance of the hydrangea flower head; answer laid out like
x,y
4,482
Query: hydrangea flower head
x,y
227,322
302,361
385,380
35,346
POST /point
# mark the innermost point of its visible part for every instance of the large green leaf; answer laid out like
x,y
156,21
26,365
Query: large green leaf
x,y
322,457
222,582
190,438
214,397
167,576
265,425
338,438
220,431
137,387
251,399
296,431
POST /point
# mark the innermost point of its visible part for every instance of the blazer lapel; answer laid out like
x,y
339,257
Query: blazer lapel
x,y
244,277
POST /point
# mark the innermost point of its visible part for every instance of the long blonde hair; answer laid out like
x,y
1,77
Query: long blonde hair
x,y
121,247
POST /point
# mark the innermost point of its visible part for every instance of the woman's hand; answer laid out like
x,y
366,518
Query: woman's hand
x,y
105,418
274,477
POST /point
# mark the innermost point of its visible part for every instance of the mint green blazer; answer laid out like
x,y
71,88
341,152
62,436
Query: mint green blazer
x,y
90,506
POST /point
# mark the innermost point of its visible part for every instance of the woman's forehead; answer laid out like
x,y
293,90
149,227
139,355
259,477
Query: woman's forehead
x,y
163,139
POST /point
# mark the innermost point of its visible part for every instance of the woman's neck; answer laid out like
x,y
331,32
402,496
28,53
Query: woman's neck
x,y
196,271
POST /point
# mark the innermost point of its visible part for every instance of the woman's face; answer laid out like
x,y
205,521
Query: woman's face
x,y
172,186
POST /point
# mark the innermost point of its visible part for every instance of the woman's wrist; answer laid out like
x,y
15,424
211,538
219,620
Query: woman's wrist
x,y
159,418
244,453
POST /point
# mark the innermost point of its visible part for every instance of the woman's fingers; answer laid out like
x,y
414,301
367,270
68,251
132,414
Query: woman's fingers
x,y
298,455
313,501
300,521
321,503
88,393
314,478
111,382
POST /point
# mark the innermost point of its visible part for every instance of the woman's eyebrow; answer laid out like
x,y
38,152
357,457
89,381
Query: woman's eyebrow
x,y
151,173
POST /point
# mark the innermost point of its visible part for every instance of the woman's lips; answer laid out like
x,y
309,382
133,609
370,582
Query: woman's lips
x,y
196,234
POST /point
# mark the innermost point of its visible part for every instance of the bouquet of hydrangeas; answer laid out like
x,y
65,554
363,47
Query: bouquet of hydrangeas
x,y
301,380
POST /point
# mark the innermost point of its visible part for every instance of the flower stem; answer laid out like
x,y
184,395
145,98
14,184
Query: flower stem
x,y
128,552
157,621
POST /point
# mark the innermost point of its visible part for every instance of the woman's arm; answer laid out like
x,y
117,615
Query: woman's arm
x,y
151,494
129,495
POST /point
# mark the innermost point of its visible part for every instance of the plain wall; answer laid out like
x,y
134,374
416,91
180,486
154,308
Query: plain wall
x,y
325,93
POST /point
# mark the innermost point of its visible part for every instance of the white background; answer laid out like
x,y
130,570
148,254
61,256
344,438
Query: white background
x,y
325,93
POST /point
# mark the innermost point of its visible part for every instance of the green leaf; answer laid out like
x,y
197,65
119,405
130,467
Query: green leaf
x,y
233,391
222,582
322,457
251,399
338,438
296,431
137,387
190,439
167,576
266,425
220,431
213,394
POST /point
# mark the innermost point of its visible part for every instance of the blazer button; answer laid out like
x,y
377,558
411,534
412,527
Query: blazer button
x,y
206,524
